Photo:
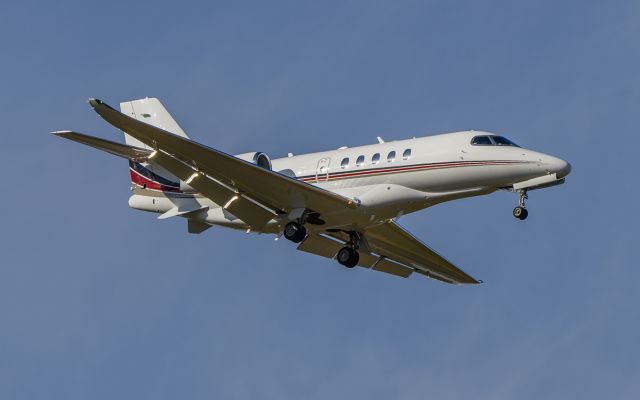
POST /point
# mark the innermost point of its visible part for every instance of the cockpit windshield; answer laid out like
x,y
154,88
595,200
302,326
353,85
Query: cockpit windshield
x,y
492,140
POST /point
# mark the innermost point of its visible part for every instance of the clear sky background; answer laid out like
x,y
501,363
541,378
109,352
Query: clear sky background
x,y
100,301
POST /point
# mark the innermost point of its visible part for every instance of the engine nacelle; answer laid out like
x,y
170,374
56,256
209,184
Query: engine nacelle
x,y
258,158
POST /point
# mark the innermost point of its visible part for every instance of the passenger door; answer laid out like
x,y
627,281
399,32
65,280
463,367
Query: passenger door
x,y
322,171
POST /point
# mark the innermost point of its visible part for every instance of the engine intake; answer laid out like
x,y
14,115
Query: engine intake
x,y
258,158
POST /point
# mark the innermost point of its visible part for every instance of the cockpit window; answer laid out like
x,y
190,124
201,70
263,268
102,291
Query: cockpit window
x,y
481,140
492,140
503,141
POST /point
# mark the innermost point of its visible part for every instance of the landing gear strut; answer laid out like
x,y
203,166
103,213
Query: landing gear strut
x,y
295,232
520,211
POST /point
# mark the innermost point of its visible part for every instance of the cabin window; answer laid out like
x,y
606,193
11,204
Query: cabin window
x,y
360,161
407,154
375,159
392,156
345,163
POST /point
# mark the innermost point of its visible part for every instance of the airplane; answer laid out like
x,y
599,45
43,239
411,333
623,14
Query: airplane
x,y
340,204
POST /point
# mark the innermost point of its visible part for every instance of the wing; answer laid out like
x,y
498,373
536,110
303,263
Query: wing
x,y
326,246
393,241
247,185
391,249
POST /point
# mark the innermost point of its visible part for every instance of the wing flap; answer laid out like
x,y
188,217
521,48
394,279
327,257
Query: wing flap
x,y
367,260
196,227
323,246
320,245
392,268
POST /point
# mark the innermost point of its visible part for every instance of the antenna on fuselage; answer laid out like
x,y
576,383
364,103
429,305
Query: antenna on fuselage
x,y
380,140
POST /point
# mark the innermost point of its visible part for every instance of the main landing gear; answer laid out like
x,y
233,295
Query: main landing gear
x,y
348,256
295,232
520,211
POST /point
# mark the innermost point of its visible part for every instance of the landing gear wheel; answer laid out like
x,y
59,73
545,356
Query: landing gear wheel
x,y
295,232
348,257
521,213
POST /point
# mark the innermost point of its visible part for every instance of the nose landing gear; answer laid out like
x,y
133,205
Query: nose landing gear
x,y
520,211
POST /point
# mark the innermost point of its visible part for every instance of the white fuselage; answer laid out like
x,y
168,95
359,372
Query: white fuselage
x,y
422,172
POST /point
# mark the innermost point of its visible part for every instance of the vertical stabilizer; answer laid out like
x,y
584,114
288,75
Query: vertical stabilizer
x,y
148,175
149,110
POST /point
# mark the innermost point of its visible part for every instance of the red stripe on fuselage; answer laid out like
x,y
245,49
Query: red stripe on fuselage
x,y
382,171
147,183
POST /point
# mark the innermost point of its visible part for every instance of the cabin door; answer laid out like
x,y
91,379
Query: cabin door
x,y
322,172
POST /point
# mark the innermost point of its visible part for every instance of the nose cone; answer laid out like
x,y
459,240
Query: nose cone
x,y
560,167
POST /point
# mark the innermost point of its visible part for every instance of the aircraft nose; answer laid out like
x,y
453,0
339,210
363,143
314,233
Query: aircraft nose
x,y
560,167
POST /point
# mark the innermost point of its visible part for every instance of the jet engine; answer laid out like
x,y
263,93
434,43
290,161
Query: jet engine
x,y
258,158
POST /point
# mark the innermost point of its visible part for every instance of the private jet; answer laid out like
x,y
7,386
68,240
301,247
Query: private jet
x,y
340,204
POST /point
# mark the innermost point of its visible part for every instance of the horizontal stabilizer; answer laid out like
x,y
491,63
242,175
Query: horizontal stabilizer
x,y
117,149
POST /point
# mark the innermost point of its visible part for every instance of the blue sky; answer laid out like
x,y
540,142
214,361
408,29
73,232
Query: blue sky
x,y
99,301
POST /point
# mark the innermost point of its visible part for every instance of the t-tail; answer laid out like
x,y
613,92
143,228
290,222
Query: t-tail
x,y
147,175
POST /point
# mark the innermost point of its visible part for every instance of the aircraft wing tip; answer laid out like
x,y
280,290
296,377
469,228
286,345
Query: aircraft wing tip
x,y
94,102
63,134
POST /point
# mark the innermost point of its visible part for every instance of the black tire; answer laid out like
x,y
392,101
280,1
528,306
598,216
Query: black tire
x,y
524,214
518,212
348,257
356,259
295,232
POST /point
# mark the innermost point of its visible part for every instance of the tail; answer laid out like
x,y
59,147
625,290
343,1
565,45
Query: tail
x,y
150,111
149,175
